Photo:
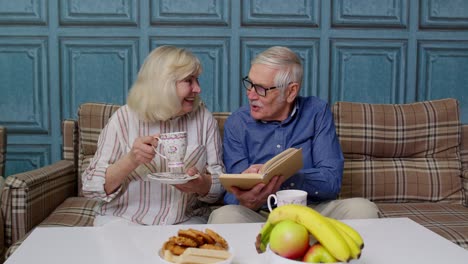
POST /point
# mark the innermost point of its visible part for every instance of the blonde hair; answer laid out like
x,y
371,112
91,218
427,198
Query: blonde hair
x,y
284,59
153,95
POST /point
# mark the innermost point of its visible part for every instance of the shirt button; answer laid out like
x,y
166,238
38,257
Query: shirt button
x,y
292,184
278,146
316,193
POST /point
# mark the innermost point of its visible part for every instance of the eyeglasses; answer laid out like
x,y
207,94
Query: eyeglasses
x,y
260,90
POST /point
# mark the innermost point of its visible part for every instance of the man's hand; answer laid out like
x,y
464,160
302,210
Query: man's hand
x,y
257,196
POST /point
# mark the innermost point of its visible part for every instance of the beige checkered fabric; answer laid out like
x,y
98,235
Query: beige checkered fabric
x,y
3,144
402,152
92,118
70,140
447,220
30,197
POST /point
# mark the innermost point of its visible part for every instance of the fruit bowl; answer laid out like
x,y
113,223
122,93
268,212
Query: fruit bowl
x,y
273,258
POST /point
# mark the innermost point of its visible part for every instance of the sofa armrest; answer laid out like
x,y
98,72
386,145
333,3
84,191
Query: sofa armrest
x,y
29,197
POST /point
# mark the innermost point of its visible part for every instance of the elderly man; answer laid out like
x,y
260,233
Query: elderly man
x,y
278,118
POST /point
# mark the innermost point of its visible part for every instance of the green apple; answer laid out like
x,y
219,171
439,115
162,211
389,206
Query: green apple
x,y
289,239
318,254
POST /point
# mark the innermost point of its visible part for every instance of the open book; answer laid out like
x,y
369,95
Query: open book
x,y
285,163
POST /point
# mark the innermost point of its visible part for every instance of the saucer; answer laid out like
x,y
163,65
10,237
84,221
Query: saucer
x,y
172,177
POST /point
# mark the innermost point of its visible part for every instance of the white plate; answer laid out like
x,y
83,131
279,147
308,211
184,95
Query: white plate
x,y
172,177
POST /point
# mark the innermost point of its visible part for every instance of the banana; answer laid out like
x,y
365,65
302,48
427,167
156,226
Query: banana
x,y
348,230
353,246
315,223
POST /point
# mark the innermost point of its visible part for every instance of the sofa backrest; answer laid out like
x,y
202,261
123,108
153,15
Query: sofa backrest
x,y
400,152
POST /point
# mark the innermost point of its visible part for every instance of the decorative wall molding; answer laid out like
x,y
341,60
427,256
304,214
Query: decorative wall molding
x,y
368,70
351,13
279,13
24,106
23,12
102,12
96,70
443,68
182,12
22,158
443,14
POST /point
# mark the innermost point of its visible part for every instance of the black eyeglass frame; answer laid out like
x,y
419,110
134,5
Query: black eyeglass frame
x,y
256,86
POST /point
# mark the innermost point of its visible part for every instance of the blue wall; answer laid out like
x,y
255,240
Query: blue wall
x,y
57,54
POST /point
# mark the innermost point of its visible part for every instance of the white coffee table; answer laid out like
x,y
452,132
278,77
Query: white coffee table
x,y
389,240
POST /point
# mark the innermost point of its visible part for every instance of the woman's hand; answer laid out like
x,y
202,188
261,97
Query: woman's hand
x,y
143,150
200,185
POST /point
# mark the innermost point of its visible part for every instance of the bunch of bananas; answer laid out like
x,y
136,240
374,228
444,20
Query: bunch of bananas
x,y
339,239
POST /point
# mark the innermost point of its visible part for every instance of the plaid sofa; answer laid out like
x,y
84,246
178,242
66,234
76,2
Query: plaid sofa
x,y
410,159
50,196
3,144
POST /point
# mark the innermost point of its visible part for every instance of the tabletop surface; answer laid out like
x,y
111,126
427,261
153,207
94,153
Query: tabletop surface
x,y
387,240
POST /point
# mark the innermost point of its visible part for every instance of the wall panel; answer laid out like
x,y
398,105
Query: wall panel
x,y
99,70
444,14
370,13
102,12
371,71
280,13
201,12
443,71
21,12
23,75
26,157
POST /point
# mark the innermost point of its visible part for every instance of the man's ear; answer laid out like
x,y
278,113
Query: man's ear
x,y
291,92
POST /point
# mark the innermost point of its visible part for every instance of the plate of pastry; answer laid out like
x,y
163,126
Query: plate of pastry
x,y
196,246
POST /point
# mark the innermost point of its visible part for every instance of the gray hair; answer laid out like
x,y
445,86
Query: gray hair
x,y
284,59
153,95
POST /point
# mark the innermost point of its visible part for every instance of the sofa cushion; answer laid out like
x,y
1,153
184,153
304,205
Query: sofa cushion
x,y
400,152
447,220
74,211
92,118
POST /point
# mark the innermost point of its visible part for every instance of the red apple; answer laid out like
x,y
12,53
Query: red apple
x,y
318,254
289,239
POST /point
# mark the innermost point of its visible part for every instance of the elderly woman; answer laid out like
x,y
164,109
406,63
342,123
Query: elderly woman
x,y
164,98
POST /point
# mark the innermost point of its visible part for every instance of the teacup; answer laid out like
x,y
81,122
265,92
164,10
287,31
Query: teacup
x,y
287,197
174,147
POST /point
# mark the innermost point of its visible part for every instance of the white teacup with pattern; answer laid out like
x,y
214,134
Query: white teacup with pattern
x,y
287,197
172,147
